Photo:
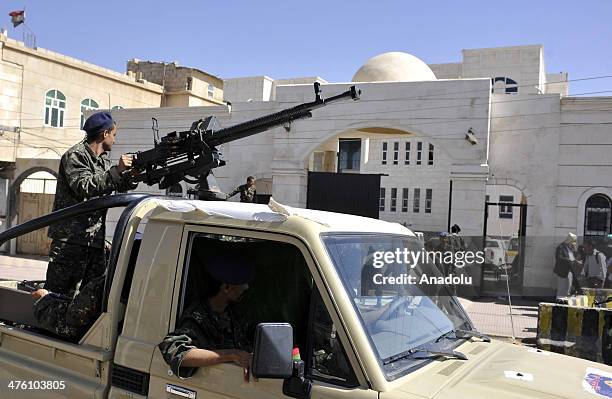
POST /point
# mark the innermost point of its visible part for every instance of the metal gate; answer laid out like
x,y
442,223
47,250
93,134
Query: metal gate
x,y
352,193
504,254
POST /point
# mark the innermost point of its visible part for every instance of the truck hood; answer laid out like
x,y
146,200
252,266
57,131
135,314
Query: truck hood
x,y
501,370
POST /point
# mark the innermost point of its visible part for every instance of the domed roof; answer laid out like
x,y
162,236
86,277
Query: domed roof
x,y
396,67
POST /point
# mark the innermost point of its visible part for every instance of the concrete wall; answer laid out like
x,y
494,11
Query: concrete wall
x,y
523,64
557,83
524,154
256,88
448,71
585,166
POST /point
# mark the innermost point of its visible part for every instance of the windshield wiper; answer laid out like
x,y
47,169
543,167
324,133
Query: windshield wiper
x,y
462,334
468,334
437,353
431,353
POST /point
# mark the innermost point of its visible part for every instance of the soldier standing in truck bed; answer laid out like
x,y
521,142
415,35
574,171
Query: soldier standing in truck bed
x,y
247,191
77,247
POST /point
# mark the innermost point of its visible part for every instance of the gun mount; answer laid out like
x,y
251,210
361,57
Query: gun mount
x,y
191,155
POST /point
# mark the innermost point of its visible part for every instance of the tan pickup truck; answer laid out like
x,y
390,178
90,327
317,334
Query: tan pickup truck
x,y
312,290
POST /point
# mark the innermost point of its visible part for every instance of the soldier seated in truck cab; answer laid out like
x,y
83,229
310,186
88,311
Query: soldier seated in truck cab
x,y
209,331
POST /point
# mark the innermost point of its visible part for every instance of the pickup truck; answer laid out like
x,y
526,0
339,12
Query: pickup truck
x,y
313,278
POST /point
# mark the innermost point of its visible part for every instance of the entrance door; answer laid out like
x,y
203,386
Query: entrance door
x,y
352,193
33,205
504,247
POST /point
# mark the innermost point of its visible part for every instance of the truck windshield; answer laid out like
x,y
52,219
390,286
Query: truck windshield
x,y
397,315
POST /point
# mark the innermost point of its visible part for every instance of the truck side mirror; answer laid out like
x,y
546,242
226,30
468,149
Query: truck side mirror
x,y
272,354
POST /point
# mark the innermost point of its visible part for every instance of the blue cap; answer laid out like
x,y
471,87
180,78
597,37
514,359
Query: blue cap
x,y
230,269
98,122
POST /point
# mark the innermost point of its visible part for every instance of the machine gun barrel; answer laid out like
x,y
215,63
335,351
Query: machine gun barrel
x,y
266,122
191,155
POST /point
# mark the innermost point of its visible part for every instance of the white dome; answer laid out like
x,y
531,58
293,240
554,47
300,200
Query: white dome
x,y
396,67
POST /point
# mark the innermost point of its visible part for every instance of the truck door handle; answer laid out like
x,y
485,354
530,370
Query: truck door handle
x,y
180,391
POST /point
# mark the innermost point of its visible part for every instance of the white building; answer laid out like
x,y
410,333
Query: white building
x,y
446,135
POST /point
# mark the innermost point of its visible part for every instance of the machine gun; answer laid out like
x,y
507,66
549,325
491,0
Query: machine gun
x,y
191,155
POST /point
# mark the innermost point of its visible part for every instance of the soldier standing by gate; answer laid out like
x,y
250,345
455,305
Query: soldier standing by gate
x,y
247,191
77,252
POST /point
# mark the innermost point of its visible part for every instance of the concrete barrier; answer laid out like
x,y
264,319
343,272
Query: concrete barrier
x,y
583,332
599,295
576,300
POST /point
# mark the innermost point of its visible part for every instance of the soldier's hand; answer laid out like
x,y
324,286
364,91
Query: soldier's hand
x,y
125,163
244,360
39,293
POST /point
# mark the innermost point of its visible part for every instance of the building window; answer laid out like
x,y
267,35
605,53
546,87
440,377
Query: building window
x,y
428,197
431,154
349,156
419,151
407,160
416,201
487,198
503,85
55,106
384,153
86,105
597,218
211,91
189,84
405,200
395,153
117,107
505,211
393,206
381,205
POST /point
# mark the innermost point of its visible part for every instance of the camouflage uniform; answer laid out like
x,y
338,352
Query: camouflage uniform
x,y
77,249
68,318
247,194
201,327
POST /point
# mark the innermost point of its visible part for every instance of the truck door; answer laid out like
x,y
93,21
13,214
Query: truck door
x,y
283,290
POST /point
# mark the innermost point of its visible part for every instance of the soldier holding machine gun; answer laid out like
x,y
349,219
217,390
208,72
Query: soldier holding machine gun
x,y
189,155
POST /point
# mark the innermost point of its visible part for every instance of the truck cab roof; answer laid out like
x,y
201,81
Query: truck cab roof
x,y
274,216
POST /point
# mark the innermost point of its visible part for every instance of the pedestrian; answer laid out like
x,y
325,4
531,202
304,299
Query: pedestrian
x,y
565,260
595,269
77,247
247,191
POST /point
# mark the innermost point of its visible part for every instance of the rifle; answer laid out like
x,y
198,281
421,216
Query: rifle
x,y
191,155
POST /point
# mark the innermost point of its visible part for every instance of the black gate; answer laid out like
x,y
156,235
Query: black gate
x,y
352,193
504,255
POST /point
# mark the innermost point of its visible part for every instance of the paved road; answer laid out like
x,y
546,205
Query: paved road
x,y
491,316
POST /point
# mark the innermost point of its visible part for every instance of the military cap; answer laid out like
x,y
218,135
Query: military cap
x,y
98,122
230,269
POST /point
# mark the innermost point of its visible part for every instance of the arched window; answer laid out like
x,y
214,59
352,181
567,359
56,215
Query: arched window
x,y
86,105
117,107
55,105
597,215
503,85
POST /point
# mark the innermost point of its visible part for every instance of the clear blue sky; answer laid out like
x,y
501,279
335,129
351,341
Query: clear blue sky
x,y
331,39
